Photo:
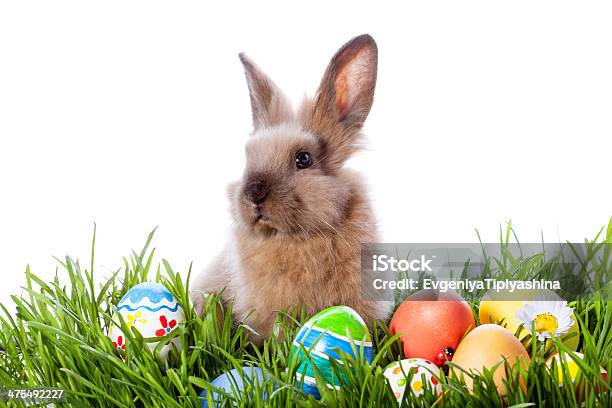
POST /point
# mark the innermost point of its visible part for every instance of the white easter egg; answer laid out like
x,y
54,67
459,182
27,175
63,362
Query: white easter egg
x,y
151,309
423,373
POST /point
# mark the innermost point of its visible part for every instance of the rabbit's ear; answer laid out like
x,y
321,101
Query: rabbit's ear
x,y
269,105
348,83
345,96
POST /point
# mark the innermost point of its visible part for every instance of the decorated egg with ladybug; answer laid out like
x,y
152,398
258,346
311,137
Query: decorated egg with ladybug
x,y
431,324
148,307
414,375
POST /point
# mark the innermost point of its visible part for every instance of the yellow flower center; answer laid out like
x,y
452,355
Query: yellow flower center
x,y
546,322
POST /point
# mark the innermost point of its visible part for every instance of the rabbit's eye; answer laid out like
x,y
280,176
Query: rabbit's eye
x,y
303,160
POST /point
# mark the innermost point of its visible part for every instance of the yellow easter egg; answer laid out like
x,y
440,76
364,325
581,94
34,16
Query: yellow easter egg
x,y
502,307
572,366
573,369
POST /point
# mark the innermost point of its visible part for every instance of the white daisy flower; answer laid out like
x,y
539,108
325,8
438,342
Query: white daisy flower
x,y
551,318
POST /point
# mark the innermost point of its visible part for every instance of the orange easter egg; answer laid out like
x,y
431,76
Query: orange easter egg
x,y
431,324
486,346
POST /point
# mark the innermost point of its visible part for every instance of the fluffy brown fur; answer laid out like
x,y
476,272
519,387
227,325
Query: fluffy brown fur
x,y
297,232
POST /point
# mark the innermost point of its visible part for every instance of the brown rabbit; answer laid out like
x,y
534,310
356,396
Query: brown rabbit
x,y
300,217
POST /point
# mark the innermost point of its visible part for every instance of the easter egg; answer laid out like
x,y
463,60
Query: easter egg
x,y
502,307
486,346
423,372
573,369
431,324
324,337
151,309
236,382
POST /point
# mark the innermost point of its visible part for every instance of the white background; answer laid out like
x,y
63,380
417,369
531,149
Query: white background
x,y
134,114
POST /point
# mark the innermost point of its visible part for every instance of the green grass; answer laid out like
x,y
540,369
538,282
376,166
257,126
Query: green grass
x,y
57,338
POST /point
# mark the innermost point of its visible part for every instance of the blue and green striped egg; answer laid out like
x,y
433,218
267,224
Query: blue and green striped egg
x,y
325,337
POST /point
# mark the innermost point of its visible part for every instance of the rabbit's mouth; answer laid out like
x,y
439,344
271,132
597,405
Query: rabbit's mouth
x,y
260,217
263,225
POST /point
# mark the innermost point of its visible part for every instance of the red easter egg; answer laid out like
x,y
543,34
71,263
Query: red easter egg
x,y
431,324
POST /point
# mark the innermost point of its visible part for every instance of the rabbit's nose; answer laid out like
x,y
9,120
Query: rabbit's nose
x,y
256,191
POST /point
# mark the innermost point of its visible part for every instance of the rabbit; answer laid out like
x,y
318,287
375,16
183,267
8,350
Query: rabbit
x,y
300,216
